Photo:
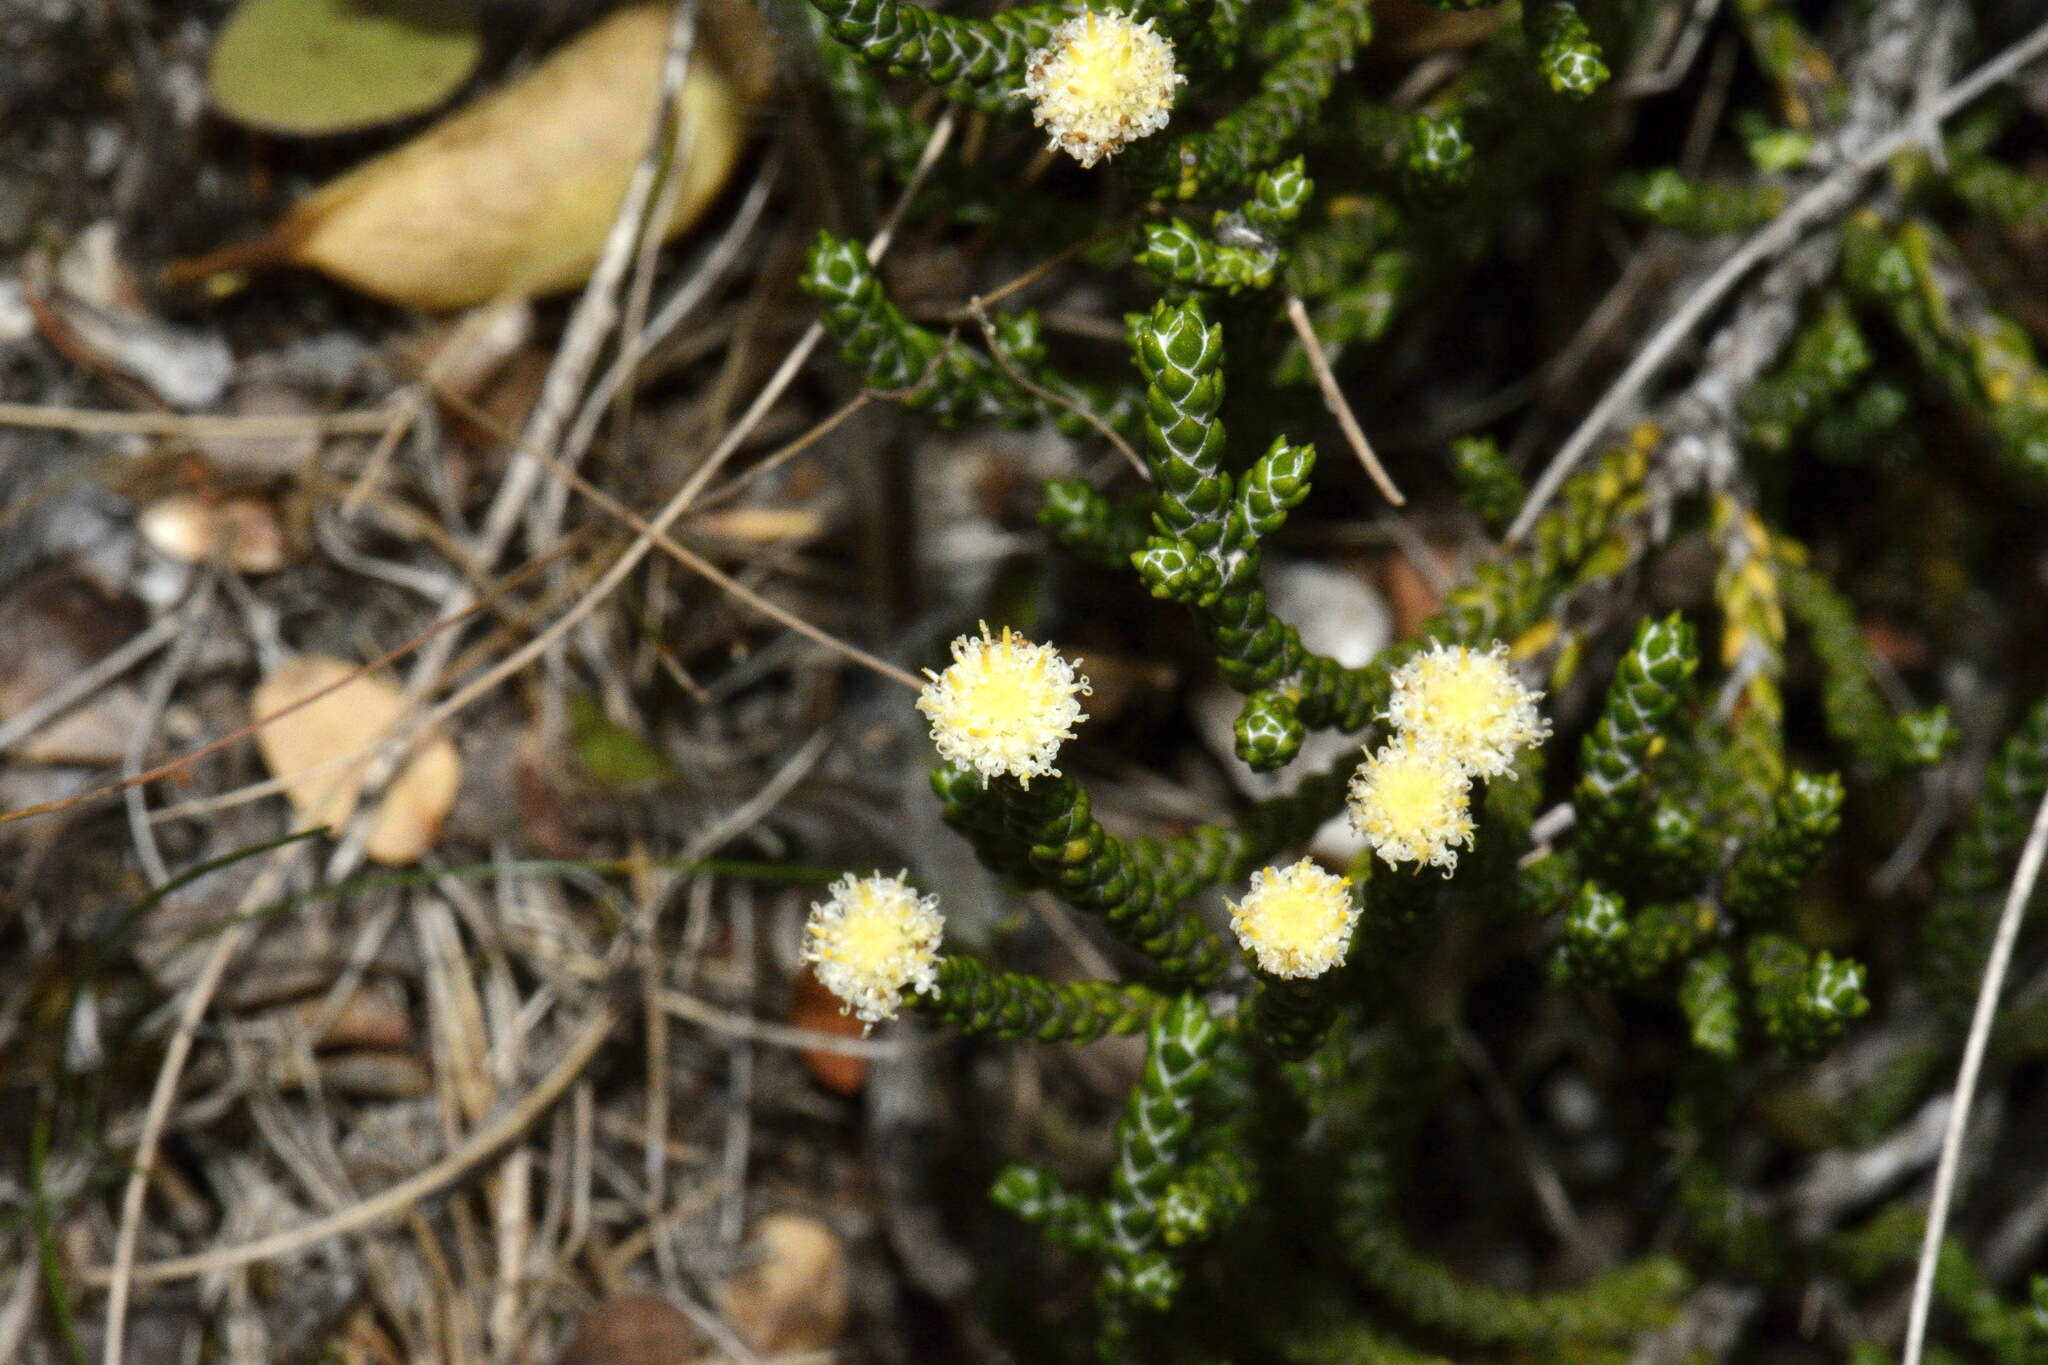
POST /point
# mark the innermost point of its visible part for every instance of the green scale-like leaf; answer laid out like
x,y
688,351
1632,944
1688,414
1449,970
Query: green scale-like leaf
x,y
979,62
975,998
1642,703
1956,936
1262,129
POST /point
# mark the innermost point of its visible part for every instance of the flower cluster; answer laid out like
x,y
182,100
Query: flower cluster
x,y
871,940
1296,921
1413,803
1457,713
1471,703
1003,706
1103,82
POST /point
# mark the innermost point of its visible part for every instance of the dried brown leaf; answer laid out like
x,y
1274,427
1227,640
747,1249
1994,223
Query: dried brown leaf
x,y
515,193
631,1329
813,1007
360,711
794,1298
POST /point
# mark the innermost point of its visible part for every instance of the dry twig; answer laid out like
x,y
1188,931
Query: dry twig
x,y
1823,201
1338,404
1988,991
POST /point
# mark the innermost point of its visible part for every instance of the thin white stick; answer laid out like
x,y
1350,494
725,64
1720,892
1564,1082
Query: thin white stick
x,y
674,309
596,311
198,996
1338,404
428,668
1822,201
1988,991
196,426
686,496
76,688
589,324
789,1036
156,699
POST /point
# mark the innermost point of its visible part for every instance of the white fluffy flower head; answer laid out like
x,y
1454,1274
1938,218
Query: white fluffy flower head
x,y
1470,702
871,940
1297,920
1104,81
1413,803
1004,705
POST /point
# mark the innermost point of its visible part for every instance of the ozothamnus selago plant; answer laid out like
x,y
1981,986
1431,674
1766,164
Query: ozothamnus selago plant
x,y
1676,862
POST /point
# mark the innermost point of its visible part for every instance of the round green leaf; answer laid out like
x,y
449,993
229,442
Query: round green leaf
x,y
331,66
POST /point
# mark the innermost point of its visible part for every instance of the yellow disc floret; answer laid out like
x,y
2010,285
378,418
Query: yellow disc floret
x,y
1470,702
871,940
1004,705
1296,920
1413,803
1101,83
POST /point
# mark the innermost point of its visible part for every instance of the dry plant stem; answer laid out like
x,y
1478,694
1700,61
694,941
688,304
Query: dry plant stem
x,y
779,1035
195,426
214,746
704,568
1995,967
979,313
674,309
595,314
1819,203
597,309
77,688
739,483
1339,406
654,1020
372,474
198,996
752,811
1644,264
685,496
1684,47
1039,272
1551,1195
156,698
739,1099
785,374
509,1222
398,1199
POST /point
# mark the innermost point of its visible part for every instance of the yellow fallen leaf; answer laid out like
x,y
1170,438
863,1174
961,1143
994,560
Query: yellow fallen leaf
x,y
762,525
300,748
515,192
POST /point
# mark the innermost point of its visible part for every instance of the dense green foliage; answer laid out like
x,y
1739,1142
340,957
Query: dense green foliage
x,y
1671,876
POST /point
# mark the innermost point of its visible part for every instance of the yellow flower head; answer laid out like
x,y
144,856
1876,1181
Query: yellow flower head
x,y
1470,702
872,939
1296,920
1413,803
1103,82
1003,706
